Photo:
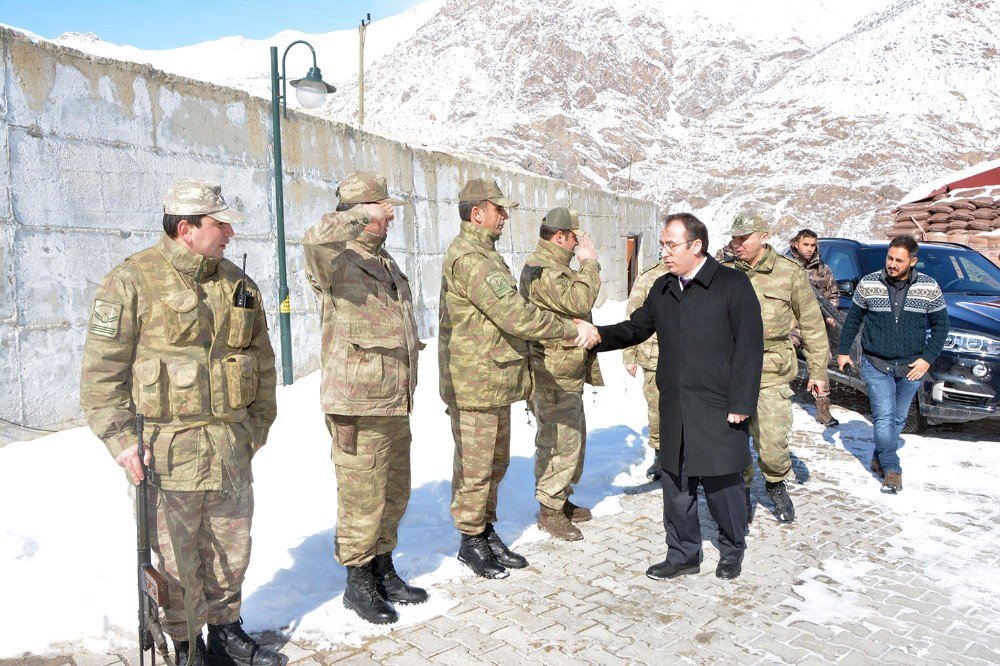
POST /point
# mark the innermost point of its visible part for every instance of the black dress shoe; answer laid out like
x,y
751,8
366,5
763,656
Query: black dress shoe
x,y
729,569
667,569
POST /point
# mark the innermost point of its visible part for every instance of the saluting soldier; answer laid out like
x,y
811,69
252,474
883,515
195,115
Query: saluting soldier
x,y
786,301
645,355
559,368
178,334
369,376
484,327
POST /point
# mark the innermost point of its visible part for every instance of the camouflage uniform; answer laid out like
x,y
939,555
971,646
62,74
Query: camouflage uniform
x,y
166,340
369,370
820,276
483,360
786,297
560,368
646,354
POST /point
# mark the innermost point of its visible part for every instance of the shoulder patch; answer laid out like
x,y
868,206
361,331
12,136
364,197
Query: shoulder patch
x,y
105,319
500,283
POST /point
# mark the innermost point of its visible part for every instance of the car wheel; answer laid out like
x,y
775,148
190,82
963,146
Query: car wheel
x,y
915,421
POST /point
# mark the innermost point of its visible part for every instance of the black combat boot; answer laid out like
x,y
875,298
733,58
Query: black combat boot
x,y
228,644
476,554
504,555
362,597
182,649
784,510
655,471
391,586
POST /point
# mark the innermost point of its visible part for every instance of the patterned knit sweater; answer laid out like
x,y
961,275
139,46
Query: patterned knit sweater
x,y
898,341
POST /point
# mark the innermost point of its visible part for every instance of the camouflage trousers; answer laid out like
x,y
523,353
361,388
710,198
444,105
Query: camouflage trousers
x,y
482,453
204,537
652,396
769,430
371,455
560,443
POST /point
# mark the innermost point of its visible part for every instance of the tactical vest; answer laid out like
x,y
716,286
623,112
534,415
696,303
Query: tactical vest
x,y
192,366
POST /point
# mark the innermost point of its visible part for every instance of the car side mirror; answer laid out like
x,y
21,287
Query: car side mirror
x,y
846,287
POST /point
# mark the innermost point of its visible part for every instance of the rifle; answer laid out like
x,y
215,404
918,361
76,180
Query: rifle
x,y
152,585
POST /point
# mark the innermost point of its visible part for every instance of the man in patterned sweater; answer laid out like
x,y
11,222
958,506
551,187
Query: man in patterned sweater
x,y
896,305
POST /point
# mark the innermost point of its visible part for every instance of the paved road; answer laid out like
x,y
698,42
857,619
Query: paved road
x,y
842,584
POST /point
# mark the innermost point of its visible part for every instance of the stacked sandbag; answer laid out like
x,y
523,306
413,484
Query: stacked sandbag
x,y
968,216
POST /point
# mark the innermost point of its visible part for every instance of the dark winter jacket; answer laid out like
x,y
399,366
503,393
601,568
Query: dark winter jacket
x,y
711,348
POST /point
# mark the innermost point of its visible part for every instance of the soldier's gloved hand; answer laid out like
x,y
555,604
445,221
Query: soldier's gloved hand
x,y
586,249
129,460
631,368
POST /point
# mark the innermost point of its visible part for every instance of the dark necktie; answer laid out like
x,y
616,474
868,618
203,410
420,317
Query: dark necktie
x,y
685,281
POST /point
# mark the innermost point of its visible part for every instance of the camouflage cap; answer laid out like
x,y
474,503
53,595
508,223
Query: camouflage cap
x,y
745,224
194,196
484,189
363,187
563,218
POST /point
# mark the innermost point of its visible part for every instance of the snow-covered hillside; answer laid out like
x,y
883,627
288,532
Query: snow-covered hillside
x,y
809,111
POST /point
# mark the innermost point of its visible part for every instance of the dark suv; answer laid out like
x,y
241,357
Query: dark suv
x,y
964,383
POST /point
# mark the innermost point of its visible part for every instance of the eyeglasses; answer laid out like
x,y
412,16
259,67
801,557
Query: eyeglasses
x,y
669,248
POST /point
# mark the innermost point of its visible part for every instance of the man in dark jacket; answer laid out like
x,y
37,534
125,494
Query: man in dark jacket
x,y
708,324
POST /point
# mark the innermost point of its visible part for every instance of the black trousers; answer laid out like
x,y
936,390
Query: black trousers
x,y
726,502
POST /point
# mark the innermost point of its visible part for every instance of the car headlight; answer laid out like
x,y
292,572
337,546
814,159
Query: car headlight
x,y
972,342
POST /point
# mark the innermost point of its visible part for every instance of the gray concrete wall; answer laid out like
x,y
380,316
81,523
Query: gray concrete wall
x,y
88,146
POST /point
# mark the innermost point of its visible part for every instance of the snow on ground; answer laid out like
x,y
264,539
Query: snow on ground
x,y
67,533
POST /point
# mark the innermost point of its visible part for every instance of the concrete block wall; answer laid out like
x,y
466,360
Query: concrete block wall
x,y
88,147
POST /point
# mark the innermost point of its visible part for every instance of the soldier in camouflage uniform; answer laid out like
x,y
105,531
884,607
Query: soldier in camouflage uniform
x,y
645,355
559,369
369,376
483,364
168,340
804,249
786,298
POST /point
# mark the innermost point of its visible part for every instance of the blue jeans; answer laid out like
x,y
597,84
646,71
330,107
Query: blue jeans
x,y
890,398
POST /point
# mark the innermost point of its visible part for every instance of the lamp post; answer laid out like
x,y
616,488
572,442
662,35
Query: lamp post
x,y
361,68
311,91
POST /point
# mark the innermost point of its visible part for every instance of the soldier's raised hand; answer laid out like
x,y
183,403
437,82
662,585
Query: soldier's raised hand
x,y
586,249
379,212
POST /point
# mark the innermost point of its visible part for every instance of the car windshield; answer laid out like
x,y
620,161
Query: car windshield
x,y
956,271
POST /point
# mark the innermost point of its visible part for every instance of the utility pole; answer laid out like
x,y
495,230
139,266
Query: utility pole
x,y
361,68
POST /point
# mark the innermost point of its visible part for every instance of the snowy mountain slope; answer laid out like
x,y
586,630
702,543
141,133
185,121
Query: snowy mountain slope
x,y
809,111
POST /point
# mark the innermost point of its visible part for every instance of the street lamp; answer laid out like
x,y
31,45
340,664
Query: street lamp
x,y
311,91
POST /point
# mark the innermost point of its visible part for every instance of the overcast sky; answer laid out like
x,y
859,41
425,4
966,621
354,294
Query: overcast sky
x,y
167,24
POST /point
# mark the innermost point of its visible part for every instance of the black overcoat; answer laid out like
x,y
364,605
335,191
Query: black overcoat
x,y
711,342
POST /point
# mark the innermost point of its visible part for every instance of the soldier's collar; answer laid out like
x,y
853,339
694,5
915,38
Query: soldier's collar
x,y
555,251
187,262
370,242
479,235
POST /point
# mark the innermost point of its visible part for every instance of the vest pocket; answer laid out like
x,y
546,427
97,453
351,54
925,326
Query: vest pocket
x,y
180,316
149,389
185,390
240,326
241,379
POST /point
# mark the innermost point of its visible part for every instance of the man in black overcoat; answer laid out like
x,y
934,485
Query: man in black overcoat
x,y
708,324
